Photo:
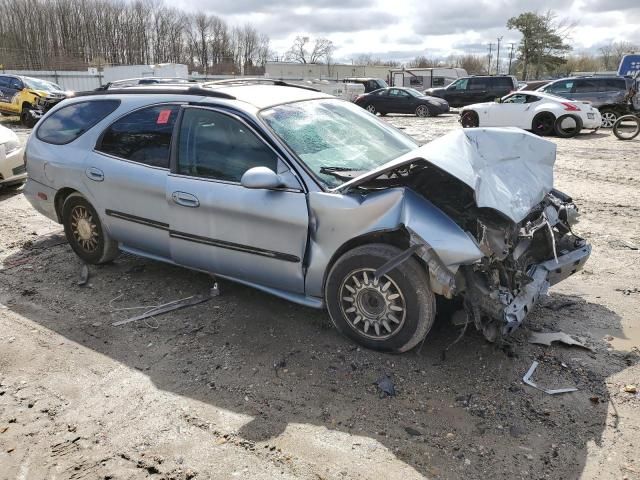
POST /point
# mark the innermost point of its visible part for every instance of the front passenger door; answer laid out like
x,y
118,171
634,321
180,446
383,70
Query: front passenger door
x,y
216,224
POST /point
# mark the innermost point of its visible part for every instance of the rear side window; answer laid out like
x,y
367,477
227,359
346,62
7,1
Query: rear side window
x,y
68,123
613,84
143,136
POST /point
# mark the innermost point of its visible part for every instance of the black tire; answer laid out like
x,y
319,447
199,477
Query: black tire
x,y
543,124
423,111
469,119
383,114
627,127
563,131
90,241
404,328
609,117
370,108
27,119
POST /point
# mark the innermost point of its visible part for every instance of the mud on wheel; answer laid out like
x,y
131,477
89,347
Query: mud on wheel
x,y
84,231
392,313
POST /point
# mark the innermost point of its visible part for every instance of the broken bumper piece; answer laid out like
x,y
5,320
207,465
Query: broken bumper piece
x,y
543,275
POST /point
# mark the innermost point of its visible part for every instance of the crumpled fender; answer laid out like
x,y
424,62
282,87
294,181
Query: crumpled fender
x,y
335,219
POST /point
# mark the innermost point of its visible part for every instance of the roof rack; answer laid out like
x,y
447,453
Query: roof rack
x,y
245,81
161,90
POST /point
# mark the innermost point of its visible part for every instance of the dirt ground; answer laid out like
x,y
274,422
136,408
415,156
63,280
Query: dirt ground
x,y
249,386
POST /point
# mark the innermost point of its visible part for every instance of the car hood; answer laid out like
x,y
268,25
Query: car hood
x,y
480,105
509,170
434,91
7,135
433,99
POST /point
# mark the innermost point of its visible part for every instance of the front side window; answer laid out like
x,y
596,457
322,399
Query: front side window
x,y
217,146
334,137
143,136
68,123
560,87
518,98
459,84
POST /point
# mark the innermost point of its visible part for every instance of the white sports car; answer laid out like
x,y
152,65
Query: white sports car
x,y
542,113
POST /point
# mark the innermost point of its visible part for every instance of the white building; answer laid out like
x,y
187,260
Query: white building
x,y
166,70
310,71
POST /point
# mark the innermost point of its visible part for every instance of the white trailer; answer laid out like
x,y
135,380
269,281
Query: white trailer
x,y
423,78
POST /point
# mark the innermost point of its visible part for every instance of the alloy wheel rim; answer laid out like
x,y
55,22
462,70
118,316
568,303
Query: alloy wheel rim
x,y
468,121
608,119
544,124
371,109
422,111
84,228
374,308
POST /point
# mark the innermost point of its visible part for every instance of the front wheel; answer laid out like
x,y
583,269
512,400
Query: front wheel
x,y
627,127
422,111
85,233
469,119
392,314
371,109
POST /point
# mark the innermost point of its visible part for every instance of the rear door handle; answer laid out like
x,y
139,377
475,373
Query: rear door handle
x,y
185,199
95,174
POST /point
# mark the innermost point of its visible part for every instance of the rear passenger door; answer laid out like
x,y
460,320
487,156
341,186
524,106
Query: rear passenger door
x,y
216,224
477,91
127,174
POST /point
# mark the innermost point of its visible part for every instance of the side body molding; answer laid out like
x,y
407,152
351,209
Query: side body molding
x,y
338,218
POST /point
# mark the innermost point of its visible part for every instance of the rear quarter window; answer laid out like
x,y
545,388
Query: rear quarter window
x,y
68,123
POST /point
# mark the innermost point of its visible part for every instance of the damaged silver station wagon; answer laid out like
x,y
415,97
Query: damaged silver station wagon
x,y
312,199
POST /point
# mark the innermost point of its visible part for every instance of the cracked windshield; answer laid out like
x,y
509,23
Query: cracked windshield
x,y
336,140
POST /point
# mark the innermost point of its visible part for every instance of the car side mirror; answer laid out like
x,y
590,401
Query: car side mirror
x,y
261,178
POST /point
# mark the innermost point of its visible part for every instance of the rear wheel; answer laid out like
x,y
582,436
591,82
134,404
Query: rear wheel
x,y
469,119
568,126
422,111
392,314
370,108
543,124
627,127
609,117
84,231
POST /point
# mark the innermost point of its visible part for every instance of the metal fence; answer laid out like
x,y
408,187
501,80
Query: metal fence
x,y
68,80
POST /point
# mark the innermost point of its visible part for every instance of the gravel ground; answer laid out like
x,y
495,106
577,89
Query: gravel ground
x,y
250,386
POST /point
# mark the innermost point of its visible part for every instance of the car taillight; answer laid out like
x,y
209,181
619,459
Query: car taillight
x,y
570,107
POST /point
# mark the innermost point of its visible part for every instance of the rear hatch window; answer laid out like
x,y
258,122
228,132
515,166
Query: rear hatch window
x,y
68,123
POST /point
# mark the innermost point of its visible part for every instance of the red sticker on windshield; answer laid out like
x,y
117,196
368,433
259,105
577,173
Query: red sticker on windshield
x,y
163,117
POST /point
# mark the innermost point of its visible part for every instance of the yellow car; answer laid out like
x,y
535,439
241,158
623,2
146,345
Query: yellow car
x,y
28,97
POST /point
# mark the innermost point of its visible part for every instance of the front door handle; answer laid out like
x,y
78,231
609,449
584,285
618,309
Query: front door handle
x,y
95,174
185,199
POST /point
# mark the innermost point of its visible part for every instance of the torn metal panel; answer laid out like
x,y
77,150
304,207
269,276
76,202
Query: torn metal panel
x,y
509,170
340,218
550,337
527,379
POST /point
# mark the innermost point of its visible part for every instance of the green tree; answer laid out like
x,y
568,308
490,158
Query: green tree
x,y
542,46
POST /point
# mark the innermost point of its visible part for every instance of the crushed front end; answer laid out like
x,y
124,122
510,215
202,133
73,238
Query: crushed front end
x,y
521,261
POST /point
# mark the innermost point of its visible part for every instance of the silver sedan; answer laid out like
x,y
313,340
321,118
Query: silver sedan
x,y
312,199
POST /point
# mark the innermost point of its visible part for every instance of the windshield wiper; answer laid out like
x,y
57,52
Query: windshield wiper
x,y
342,173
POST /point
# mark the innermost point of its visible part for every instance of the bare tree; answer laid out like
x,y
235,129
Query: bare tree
x,y
299,51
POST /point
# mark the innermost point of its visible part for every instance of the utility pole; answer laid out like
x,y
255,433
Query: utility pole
x,y
511,57
490,50
498,57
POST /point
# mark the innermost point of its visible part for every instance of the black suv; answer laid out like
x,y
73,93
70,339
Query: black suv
x,y
370,84
607,94
468,90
